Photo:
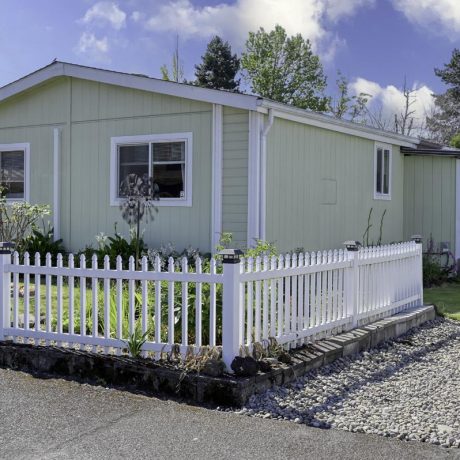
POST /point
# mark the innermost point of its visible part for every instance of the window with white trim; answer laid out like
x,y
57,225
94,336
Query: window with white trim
x,y
382,172
166,159
13,170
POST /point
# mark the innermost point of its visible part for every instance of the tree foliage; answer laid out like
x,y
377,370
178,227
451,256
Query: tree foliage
x,y
346,106
176,73
218,67
284,69
444,124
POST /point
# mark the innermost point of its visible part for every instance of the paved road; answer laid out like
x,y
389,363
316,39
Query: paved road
x,y
57,419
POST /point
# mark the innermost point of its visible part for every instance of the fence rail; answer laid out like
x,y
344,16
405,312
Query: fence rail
x,y
293,298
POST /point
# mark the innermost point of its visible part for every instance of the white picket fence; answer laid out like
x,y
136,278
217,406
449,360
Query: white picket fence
x,y
293,298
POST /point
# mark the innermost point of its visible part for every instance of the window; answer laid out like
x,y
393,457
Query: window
x,y
164,158
14,170
382,172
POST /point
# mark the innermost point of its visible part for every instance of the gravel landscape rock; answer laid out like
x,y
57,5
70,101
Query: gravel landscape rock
x,y
408,389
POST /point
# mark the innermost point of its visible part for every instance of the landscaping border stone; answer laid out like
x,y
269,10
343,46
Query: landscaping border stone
x,y
159,378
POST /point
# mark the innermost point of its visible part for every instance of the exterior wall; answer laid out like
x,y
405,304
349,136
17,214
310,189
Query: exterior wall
x,y
235,174
31,117
429,198
320,189
90,114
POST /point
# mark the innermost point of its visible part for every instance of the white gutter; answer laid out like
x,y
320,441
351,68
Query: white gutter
x,y
263,172
334,124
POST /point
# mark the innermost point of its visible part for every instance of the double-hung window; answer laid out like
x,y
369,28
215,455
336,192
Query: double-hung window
x,y
13,171
382,172
165,159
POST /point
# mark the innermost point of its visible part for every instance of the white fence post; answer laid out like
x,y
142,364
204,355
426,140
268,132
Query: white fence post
x,y
352,285
231,330
5,286
418,240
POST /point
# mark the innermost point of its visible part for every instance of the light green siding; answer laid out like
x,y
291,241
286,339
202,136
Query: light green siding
x,y
235,174
320,189
90,114
429,198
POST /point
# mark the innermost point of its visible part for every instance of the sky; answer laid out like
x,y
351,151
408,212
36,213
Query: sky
x,y
376,44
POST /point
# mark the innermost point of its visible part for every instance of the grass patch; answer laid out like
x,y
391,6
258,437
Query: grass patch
x,y
446,298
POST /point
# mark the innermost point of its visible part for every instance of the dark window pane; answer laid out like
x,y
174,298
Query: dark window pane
x,y
12,173
134,154
169,151
170,179
386,172
133,161
378,171
14,189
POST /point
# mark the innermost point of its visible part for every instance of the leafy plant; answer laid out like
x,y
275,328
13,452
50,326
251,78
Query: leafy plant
x,y
434,272
43,242
135,341
262,248
17,218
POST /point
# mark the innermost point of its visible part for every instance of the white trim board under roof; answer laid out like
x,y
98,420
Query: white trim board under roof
x,y
237,100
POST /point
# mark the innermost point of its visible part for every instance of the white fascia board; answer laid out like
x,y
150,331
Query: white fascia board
x,y
332,124
242,101
31,80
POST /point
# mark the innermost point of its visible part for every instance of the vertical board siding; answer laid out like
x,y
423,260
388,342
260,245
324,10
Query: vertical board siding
x,y
89,114
322,183
235,174
429,198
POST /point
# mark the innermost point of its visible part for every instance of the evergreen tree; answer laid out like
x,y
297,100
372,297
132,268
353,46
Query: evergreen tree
x,y
219,67
444,124
285,69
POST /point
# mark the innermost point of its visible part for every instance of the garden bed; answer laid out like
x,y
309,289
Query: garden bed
x,y
169,378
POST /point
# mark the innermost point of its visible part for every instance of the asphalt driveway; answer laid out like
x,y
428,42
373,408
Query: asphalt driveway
x,y
55,418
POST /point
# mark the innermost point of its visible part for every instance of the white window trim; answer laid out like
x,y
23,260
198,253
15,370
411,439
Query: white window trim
x,y
147,138
383,196
26,148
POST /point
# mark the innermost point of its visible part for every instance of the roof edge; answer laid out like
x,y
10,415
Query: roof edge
x,y
335,124
127,80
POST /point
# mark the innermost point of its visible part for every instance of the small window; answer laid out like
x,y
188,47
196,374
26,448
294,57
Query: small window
x,y
13,170
382,169
166,160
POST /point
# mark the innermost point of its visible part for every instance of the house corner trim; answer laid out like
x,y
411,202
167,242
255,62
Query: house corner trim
x,y
217,168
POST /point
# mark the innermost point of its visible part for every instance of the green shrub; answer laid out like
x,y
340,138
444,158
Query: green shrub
x,y
42,241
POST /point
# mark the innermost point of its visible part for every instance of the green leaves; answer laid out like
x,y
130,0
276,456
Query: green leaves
x,y
18,218
219,67
284,69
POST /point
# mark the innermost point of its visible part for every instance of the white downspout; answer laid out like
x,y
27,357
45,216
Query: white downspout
x,y
56,183
263,173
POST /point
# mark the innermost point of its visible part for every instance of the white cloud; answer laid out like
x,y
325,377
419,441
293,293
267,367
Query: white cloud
x,y
390,99
234,21
137,16
105,13
96,49
338,9
438,15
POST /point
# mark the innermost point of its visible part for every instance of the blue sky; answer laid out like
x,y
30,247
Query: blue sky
x,y
375,43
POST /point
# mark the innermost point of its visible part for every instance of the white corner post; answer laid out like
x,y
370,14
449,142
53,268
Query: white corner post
x,y
352,282
263,174
255,123
57,183
231,307
217,168
5,286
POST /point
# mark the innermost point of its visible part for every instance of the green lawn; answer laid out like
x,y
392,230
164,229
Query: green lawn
x,y
446,298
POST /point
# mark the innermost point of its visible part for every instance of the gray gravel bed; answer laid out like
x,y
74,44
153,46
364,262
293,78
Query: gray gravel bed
x,y
408,388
